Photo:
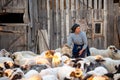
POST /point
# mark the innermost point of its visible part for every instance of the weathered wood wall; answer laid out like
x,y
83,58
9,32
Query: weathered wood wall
x,y
54,18
14,36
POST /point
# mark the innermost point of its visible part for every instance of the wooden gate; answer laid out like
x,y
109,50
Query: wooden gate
x,y
13,37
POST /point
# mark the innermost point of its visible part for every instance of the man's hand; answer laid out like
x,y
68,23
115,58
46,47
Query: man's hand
x,y
81,51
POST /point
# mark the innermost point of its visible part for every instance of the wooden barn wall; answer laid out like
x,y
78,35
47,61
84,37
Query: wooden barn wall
x,y
116,38
57,17
62,14
49,21
13,36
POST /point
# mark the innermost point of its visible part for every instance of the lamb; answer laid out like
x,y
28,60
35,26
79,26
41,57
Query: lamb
x,y
32,75
49,71
49,77
29,58
68,72
111,52
14,74
4,53
98,71
6,62
97,74
110,64
115,75
56,60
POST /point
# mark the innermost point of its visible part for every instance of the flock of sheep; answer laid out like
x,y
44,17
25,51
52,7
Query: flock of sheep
x,y
58,65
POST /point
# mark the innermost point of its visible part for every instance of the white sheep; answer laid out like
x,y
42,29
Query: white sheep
x,y
14,74
116,76
111,52
4,53
56,60
32,75
49,71
49,77
98,71
64,72
110,64
97,74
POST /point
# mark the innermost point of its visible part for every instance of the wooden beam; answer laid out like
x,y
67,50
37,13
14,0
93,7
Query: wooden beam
x,y
105,23
48,19
67,17
62,22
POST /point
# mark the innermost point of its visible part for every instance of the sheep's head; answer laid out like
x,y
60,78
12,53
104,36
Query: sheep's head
x,y
8,64
49,54
113,49
76,74
92,77
66,50
14,74
5,53
56,60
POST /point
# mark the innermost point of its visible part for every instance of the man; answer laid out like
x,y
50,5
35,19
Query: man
x,y
79,40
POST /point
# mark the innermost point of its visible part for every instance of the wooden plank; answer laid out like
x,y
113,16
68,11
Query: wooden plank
x,y
105,23
100,4
77,9
25,16
43,40
81,9
95,9
62,22
48,20
73,17
57,24
67,17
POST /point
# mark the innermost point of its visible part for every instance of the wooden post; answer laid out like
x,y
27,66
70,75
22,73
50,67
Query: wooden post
x,y
100,4
48,19
31,24
95,9
77,10
81,8
90,4
73,11
62,22
105,23
57,24
67,17
25,16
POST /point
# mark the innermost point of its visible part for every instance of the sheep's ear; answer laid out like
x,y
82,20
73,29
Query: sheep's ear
x,y
100,60
72,74
116,67
88,77
110,75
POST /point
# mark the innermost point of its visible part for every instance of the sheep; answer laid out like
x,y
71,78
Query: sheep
x,y
68,72
66,50
4,53
32,59
56,60
38,67
111,52
32,75
97,74
26,54
49,71
14,74
6,62
115,75
49,77
110,64
4,78
99,71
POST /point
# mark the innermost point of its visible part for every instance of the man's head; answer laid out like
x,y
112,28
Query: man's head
x,y
75,27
